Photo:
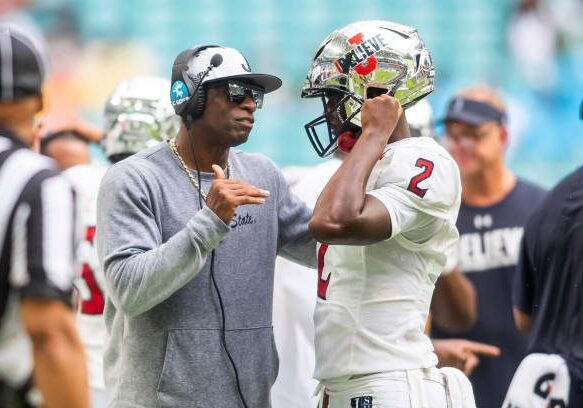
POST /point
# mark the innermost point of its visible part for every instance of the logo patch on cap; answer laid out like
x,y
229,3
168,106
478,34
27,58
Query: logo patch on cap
x,y
178,93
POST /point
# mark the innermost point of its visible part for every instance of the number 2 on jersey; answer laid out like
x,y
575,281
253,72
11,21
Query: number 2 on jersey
x,y
427,166
96,303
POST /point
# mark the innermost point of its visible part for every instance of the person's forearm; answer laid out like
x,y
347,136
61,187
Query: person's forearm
x,y
522,320
59,370
454,303
136,283
343,198
59,363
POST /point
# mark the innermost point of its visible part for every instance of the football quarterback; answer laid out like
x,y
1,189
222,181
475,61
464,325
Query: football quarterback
x,y
385,222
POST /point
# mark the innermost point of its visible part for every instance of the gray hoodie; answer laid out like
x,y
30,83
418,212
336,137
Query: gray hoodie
x,y
162,310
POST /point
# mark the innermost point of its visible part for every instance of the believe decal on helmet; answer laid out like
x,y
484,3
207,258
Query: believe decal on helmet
x,y
364,52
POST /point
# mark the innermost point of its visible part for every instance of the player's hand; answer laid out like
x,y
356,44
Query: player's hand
x,y
226,195
380,116
462,354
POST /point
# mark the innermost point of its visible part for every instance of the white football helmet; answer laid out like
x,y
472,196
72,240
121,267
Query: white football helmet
x,y
138,114
361,60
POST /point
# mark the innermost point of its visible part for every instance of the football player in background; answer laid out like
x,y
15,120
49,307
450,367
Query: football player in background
x,y
138,114
294,299
385,220
66,147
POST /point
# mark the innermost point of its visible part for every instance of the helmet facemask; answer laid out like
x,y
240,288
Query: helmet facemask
x,y
334,118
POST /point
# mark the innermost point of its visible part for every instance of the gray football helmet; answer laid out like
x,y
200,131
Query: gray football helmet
x,y
361,60
138,114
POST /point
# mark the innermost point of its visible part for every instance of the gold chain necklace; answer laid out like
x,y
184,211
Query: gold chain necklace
x,y
198,188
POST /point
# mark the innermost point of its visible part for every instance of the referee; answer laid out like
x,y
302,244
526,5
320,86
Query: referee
x,y
38,340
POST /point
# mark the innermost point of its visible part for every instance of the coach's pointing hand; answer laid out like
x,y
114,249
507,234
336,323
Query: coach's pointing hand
x,y
226,195
462,354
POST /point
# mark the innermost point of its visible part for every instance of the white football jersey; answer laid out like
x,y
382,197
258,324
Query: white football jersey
x,y
294,299
373,300
90,281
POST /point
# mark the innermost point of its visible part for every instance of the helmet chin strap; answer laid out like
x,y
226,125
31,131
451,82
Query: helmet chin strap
x,y
346,141
348,136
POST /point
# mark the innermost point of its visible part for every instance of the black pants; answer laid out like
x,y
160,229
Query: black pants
x,y
15,397
576,394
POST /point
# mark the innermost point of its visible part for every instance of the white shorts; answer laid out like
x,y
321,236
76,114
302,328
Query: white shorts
x,y
98,397
421,388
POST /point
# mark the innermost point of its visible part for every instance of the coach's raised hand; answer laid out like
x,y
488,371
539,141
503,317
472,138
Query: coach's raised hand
x,y
226,195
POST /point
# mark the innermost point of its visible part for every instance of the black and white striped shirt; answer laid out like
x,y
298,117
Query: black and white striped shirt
x,y
36,226
36,247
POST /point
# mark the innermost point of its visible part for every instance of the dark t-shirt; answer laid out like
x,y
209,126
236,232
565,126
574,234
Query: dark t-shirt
x,y
488,253
549,278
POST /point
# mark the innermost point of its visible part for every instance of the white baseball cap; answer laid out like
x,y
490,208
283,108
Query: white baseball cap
x,y
230,64
211,63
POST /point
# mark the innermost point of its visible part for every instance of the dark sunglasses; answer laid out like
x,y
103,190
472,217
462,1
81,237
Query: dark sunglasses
x,y
239,90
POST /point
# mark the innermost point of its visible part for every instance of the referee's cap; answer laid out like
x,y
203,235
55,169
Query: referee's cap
x,y
22,63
